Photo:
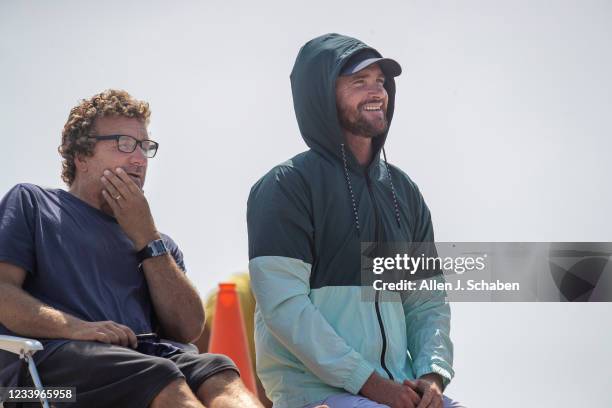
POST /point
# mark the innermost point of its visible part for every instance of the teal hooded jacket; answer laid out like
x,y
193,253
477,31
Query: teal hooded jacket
x,y
315,335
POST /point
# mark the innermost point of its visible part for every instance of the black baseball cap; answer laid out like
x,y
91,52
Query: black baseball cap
x,y
364,59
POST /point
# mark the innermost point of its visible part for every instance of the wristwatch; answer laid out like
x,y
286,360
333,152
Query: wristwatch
x,y
153,248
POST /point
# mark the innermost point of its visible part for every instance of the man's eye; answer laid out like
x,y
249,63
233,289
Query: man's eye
x,y
381,80
359,82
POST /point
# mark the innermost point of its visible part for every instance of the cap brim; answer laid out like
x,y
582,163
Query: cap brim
x,y
388,66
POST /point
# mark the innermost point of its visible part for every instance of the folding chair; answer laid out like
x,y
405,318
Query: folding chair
x,y
25,349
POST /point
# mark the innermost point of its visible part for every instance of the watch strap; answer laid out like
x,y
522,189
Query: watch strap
x,y
154,248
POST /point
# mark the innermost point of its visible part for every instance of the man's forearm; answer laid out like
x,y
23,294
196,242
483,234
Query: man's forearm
x,y
27,316
177,304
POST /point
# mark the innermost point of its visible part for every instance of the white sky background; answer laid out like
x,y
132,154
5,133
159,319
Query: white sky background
x,y
503,118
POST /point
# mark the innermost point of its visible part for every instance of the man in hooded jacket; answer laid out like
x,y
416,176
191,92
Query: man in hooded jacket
x,y
317,341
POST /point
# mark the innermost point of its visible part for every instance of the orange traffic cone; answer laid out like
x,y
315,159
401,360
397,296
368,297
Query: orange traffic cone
x,y
228,336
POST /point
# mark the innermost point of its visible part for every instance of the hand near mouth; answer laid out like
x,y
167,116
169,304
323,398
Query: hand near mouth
x,y
130,207
137,179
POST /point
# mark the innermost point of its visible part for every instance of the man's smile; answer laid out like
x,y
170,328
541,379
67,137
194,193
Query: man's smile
x,y
373,106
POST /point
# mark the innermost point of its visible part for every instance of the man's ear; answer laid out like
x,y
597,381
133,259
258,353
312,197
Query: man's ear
x,y
81,163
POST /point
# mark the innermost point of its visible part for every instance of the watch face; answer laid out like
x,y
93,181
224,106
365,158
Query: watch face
x,y
158,248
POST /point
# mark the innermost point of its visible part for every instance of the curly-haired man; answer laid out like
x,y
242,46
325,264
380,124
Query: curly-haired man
x,y
87,273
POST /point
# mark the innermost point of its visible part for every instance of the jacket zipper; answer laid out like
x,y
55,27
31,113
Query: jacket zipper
x,y
376,300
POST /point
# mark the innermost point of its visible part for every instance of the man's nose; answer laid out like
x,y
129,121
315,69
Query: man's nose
x,y
138,156
377,90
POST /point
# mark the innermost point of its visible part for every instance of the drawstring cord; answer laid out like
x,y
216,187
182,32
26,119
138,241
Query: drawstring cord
x,y
350,188
352,194
395,205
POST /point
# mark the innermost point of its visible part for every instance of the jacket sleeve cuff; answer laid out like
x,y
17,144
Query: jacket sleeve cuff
x,y
360,375
445,372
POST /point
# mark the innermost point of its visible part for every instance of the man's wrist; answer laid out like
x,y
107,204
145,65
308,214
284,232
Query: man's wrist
x,y
73,324
368,385
153,249
372,386
141,243
434,378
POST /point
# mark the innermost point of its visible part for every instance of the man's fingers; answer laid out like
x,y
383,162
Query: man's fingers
x,y
108,336
131,336
412,391
102,338
110,187
129,183
414,397
117,183
127,336
113,336
114,196
111,201
426,400
110,332
121,336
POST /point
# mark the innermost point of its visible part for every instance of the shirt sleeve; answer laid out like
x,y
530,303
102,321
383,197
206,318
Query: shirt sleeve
x,y
427,314
17,220
175,251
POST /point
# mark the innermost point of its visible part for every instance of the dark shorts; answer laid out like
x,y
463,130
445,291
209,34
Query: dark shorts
x,y
112,376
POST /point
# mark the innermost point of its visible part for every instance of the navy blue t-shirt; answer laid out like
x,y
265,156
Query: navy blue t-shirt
x,y
78,260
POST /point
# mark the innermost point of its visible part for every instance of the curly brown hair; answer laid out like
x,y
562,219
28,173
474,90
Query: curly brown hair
x,y
80,123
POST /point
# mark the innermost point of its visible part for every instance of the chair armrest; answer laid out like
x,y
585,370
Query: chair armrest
x,y
19,345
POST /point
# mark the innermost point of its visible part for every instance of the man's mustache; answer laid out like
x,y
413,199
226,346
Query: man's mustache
x,y
138,170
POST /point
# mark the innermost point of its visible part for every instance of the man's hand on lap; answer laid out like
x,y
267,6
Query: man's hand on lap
x,y
429,387
390,393
107,332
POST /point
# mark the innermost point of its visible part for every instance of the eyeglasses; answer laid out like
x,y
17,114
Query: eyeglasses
x,y
127,144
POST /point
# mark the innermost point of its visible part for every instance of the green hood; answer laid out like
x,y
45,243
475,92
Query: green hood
x,y
313,84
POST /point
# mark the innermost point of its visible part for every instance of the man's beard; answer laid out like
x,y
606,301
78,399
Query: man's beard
x,y
359,125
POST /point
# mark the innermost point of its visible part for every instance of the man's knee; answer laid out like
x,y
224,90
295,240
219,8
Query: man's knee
x,y
221,380
220,360
225,376
176,393
226,386
165,366
222,369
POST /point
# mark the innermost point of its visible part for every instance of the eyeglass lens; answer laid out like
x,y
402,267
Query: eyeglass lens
x,y
128,144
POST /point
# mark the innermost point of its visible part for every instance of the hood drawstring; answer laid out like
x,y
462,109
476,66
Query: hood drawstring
x,y
350,189
395,206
